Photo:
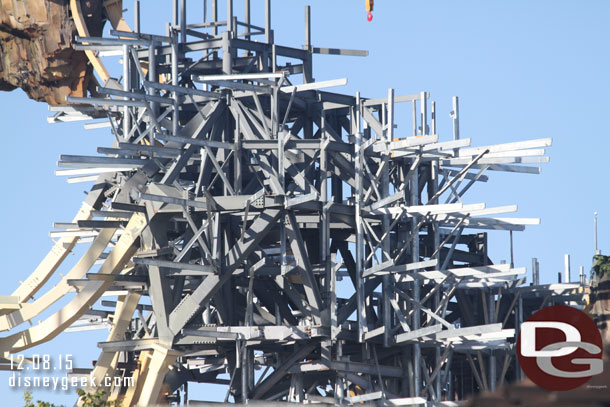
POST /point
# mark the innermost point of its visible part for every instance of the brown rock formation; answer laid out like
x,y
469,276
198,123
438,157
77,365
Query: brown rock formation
x,y
36,52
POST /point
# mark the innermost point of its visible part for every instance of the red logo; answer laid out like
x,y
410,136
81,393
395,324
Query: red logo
x,y
560,348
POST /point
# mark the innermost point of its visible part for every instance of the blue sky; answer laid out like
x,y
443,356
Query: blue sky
x,y
522,69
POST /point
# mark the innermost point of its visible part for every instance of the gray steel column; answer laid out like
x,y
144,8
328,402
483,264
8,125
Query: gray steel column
x,y
455,115
362,327
136,16
307,63
182,21
152,77
415,258
308,28
416,284
433,116
214,17
424,114
518,321
175,12
492,356
247,19
176,95
227,63
387,291
230,27
535,272
324,230
597,251
126,88
268,21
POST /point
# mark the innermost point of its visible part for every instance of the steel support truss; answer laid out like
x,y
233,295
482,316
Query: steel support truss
x,y
295,245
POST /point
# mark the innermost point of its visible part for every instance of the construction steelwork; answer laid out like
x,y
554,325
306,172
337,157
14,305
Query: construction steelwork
x,y
296,246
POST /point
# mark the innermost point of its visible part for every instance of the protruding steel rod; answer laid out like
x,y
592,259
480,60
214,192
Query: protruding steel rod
x,y
307,63
535,272
597,251
247,18
433,118
175,13
214,17
424,114
183,21
268,21
455,115
512,252
230,27
308,28
136,16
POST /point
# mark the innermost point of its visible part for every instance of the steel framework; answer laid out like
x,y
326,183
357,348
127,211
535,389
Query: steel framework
x,y
239,193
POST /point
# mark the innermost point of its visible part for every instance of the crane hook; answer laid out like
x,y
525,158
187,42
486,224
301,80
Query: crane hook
x,y
369,7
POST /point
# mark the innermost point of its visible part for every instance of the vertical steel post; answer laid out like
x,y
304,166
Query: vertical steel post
x,y
308,28
268,21
324,246
433,182
227,60
307,63
492,357
126,88
237,170
230,27
247,18
136,16
415,258
414,190
385,192
424,113
455,115
519,317
174,62
359,232
597,251
214,17
433,116
414,105
244,372
182,21
152,77
512,253
175,12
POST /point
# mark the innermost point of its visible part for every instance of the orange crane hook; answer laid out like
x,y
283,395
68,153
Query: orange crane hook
x,y
369,7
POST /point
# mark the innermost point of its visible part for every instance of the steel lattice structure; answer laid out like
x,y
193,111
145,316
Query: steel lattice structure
x,y
238,192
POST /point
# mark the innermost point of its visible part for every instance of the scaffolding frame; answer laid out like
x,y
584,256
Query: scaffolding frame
x,y
236,197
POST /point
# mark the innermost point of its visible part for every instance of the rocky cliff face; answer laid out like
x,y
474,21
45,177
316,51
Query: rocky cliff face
x,y
36,54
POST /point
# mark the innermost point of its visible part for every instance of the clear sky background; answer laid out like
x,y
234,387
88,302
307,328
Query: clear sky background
x,y
522,69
